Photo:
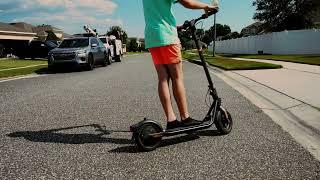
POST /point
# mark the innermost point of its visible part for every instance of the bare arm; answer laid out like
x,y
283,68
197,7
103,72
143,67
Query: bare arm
x,y
193,4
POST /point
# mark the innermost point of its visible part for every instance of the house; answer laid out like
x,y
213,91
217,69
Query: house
x,y
140,42
12,37
18,35
252,29
9,32
41,30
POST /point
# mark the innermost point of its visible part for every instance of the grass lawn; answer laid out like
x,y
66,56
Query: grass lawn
x,y
13,63
230,64
304,59
316,26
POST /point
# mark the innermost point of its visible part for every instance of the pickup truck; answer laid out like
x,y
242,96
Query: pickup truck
x,y
114,47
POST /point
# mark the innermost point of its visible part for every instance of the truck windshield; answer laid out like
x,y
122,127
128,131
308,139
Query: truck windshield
x,y
74,43
104,40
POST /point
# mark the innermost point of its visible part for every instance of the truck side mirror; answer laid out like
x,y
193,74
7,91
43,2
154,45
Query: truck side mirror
x,y
94,45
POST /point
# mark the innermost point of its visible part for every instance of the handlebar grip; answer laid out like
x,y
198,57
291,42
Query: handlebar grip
x,y
179,28
185,25
204,16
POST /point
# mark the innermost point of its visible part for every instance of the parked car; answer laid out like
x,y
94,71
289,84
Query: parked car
x,y
82,51
35,49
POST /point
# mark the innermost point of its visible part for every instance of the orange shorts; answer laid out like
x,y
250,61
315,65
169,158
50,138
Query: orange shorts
x,y
170,54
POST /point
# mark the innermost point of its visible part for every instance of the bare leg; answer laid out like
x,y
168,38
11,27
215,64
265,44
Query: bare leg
x,y
164,92
179,89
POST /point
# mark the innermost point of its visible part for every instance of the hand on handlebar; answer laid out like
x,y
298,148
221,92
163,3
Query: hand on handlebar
x,y
210,9
180,27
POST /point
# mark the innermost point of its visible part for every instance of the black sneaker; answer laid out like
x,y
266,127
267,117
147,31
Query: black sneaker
x,y
190,122
173,124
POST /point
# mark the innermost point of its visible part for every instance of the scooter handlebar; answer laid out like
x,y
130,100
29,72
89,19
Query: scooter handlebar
x,y
187,24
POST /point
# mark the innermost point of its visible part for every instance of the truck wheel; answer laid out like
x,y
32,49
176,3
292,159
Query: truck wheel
x,y
106,60
118,58
51,68
1,51
109,58
90,63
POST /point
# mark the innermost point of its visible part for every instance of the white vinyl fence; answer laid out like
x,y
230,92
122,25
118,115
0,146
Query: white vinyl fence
x,y
286,42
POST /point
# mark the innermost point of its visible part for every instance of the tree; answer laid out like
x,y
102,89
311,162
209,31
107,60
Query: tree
x,y
222,30
119,33
279,15
52,36
133,45
185,38
232,35
142,47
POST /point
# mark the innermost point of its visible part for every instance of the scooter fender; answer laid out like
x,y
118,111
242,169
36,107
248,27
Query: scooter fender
x,y
224,111
134,127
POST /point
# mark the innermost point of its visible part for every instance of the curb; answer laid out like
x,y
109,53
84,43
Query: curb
x,y
22,67
299,119
27,76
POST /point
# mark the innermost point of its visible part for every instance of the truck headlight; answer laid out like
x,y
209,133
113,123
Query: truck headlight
x,y
82,53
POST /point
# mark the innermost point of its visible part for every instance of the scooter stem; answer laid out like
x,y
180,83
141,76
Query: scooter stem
x,y
213,91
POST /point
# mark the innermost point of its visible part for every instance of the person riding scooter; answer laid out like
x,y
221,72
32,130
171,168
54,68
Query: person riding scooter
x,y
161,38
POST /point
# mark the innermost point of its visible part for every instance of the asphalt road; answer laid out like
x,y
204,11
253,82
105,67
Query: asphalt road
x,y
47,130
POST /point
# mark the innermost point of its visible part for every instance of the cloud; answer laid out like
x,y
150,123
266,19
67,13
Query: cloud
x,y
72,21
52,2
69,15
106,6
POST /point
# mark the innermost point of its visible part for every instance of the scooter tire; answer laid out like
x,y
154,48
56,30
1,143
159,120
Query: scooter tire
x,y
224,122
142,137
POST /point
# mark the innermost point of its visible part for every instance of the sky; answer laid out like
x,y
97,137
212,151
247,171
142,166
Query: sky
x,y
72,15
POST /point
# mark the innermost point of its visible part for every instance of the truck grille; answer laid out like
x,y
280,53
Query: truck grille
x,y
65,56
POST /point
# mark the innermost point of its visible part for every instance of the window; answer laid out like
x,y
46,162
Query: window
x,y
94,41
74,43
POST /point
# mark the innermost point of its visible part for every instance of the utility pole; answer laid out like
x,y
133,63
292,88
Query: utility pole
x,y
216,4
214,37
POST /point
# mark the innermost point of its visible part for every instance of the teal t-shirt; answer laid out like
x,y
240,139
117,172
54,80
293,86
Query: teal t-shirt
x,y
161,24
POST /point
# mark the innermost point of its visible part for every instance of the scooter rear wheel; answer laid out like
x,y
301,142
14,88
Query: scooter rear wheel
x,y
223,122
143,138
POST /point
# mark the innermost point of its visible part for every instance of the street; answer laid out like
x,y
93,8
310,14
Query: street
x,y
52,127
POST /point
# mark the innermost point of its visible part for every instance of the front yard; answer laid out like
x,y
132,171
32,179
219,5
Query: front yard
x,y
228,63
14,67
303,59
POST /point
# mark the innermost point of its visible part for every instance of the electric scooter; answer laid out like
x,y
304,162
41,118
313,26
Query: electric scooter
x,y
148,134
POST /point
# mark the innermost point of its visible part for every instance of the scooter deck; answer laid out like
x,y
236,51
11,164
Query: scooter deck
x,y
203,125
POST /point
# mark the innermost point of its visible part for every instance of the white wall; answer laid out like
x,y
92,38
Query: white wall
x,y
286,42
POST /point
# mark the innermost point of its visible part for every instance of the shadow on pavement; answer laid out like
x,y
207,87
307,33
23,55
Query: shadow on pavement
x,y
70,69
54,136
170,141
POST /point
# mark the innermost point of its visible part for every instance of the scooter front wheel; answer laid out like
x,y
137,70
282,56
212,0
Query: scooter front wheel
x,y
145,138
223,121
